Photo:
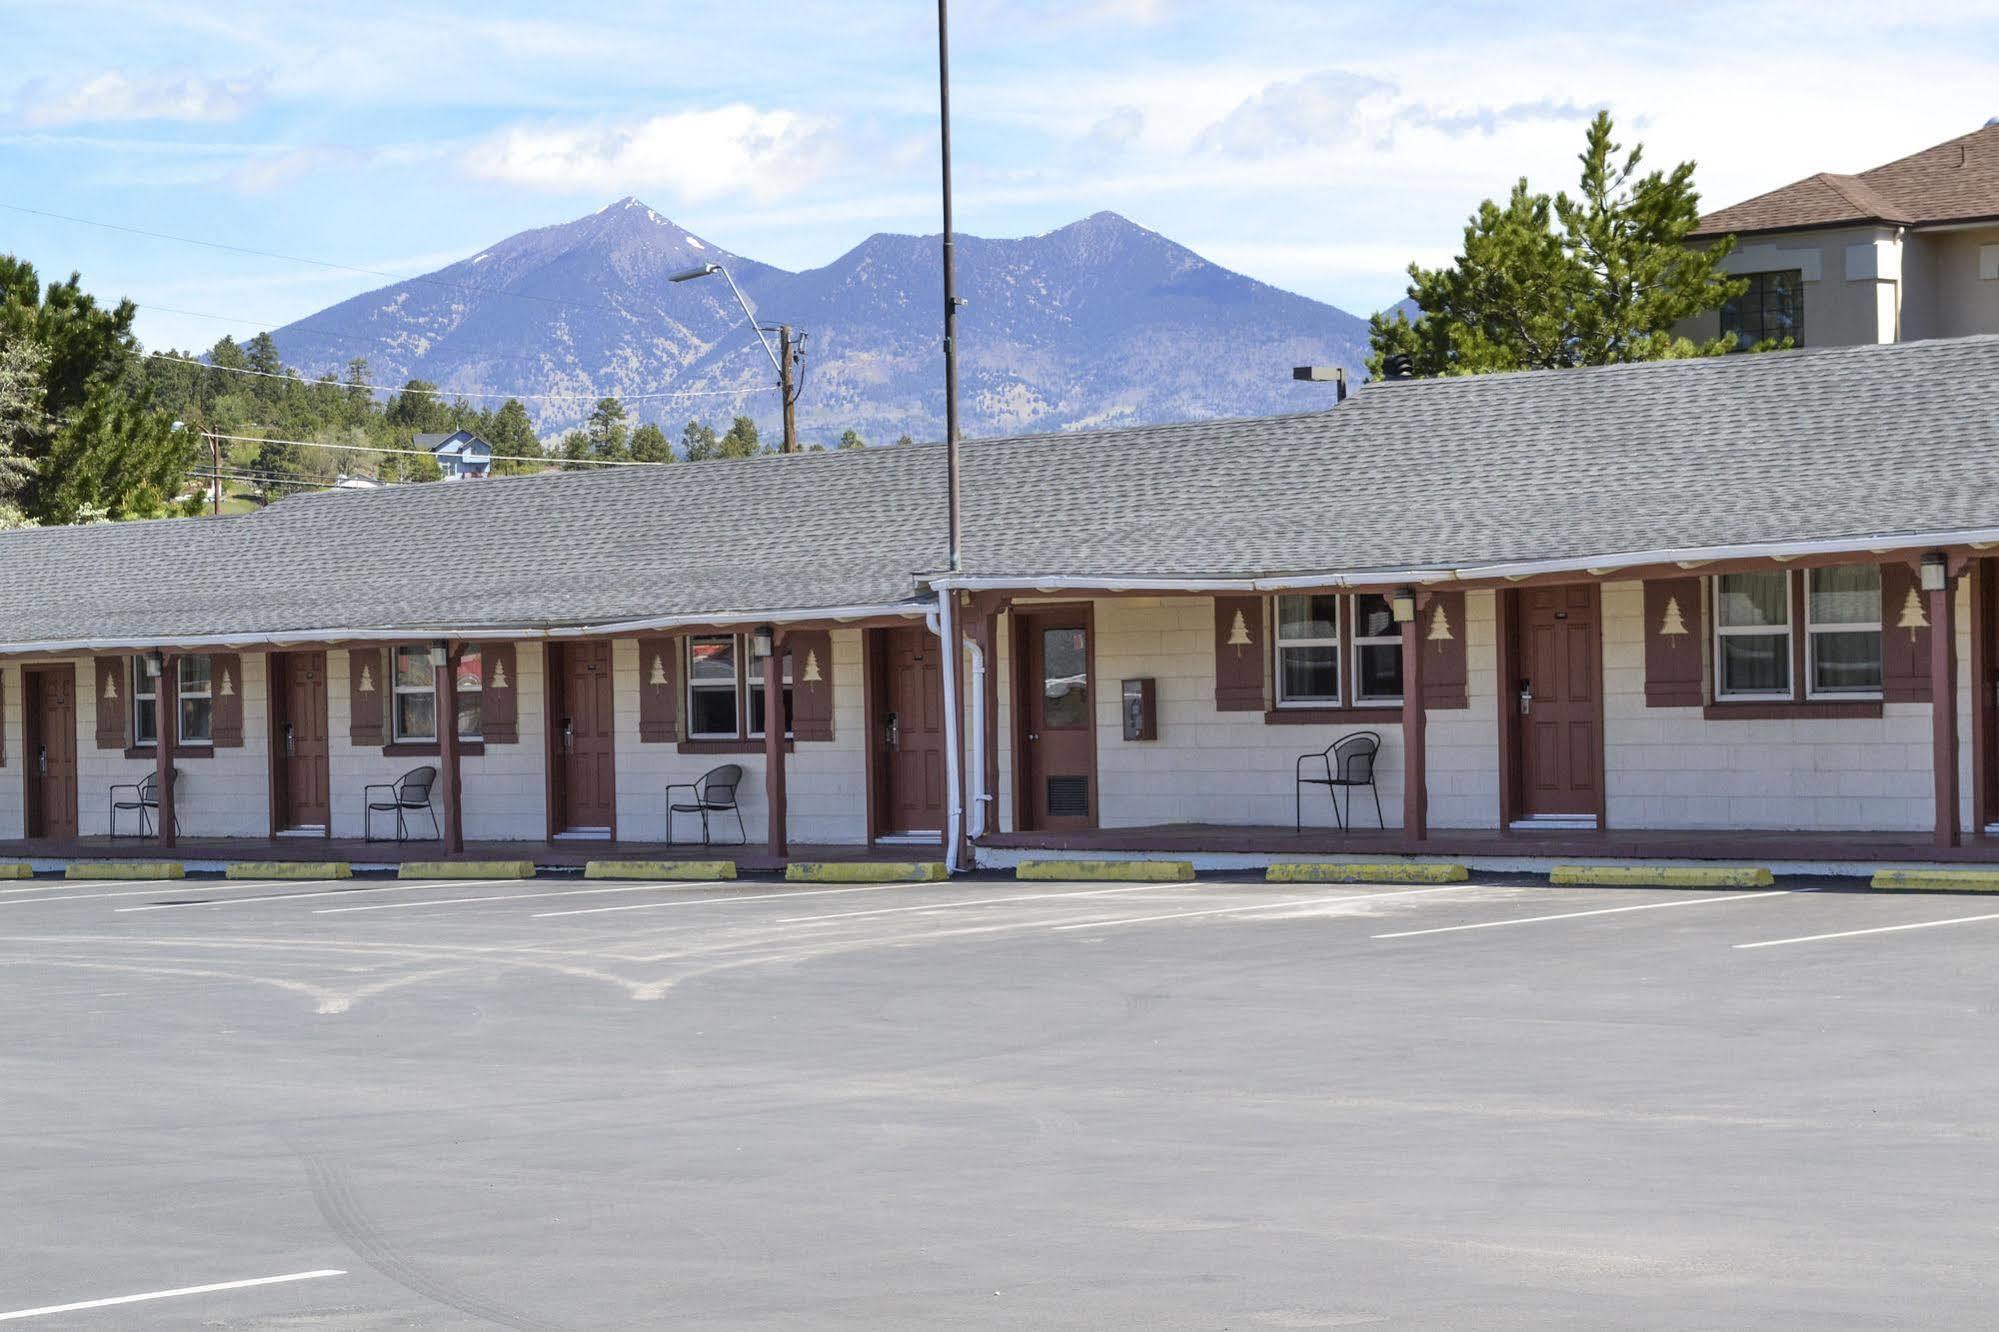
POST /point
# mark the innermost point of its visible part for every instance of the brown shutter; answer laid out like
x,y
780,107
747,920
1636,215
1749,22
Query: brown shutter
x,y
112,705
1441,635
1239,654
3,718
225,678
659,673
367,688
811,683
1673,656
1905,637
499,696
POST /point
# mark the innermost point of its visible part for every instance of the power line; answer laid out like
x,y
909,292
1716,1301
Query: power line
x,y
456,393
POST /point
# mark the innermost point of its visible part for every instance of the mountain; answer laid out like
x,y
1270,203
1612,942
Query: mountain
x,y
1101,322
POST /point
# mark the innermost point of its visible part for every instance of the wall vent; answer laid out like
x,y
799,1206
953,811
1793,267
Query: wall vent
x,y
1069,797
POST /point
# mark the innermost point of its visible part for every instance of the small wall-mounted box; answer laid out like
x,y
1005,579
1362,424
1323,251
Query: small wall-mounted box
x,y
1141,710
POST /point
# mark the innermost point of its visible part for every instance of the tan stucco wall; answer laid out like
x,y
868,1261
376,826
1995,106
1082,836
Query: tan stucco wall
x,y
1946,296
1843,305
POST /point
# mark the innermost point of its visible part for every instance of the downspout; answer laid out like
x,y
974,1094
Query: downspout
x,y
975,812
943,622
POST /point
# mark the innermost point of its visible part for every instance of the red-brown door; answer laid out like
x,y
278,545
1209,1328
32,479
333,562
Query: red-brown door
x,y
585,757
298,688
1058,734
909,734
49,705
1561,732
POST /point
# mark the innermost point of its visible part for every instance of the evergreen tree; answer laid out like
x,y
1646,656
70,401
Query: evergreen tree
x,y
511,433
1542,283
903,440
851,439
607,430
698,442
418,410
649,444
741,440
24,424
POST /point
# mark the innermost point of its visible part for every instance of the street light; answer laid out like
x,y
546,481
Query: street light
x,y
783,367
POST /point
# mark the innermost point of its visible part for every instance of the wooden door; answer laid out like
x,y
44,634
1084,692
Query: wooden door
x,y
585,758
49,706
1057,722
909,734
1561,733
300,766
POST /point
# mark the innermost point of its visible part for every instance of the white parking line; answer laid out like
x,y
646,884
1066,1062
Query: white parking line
x,y
154,891
736,897
1878,929
1600,911
17,886
1294,903
517,897
327,892
47,1309
983,901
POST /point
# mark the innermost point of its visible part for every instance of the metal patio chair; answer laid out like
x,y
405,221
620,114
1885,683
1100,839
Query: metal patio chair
x,y
715,793
1347,762
402,797
145,796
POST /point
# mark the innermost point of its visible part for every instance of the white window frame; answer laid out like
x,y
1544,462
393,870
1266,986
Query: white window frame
x,y
753,683
142,686
397,689
1280,645
1787,628
1392,639
470,653
734,686
183,695
1813,630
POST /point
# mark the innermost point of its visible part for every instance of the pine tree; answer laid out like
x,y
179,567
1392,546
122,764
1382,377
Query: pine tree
x,y
1596,279
851,439
903,440
511,433
741,440
649,444
607,430
698,442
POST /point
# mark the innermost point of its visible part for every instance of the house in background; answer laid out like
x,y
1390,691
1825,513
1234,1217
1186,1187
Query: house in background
x,y
459,454
1904,251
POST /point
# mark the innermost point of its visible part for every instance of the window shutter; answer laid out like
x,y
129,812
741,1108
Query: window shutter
x,y
367,686
499,695
1239,654
1440,636
1905,637
1673,636
811,683
659,690
112,706
3,718
225,727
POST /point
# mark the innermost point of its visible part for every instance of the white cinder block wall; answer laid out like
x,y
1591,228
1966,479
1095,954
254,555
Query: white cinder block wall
x,y
221,793
1673,768
1234,767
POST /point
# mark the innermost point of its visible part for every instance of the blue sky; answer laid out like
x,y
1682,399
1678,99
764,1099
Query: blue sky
x,y
1319,146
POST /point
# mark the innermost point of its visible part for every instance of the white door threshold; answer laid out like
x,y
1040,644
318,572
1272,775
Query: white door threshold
x,y
584,835
1556,823
304,830
910,839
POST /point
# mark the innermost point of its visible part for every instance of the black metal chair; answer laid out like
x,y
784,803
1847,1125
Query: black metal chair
x,y
145,796
1347,762
404,796
715,793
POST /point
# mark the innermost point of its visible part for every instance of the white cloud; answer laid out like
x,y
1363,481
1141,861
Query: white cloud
x,y
696,155
117,96
1298,113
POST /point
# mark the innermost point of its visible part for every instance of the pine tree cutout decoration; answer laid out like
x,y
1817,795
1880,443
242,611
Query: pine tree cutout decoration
x,y
1238,634
228,688
367,685
812,675
1672,624
658,676
1912,615
499,675
1440,625
111,687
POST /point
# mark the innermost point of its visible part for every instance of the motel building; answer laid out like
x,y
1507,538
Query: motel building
x,y
1708,609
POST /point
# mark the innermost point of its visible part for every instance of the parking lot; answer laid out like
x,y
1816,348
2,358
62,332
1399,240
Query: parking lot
x,y
569,1104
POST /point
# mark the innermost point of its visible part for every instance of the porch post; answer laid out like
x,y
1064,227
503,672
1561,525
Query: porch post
x,y
1979,675
1415,775
166,728
774,745
447,748
1943,708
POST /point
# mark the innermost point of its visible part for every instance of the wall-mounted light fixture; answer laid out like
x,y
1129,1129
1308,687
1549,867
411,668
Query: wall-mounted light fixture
x,y
156,663
763,641
1936,575
1403,603
440,654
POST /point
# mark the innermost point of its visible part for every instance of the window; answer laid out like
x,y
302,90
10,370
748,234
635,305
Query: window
x,y
1772,309
1756,623
1308,665
413,718
725,691
197,702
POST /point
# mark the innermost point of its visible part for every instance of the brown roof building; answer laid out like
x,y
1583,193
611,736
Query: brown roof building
x,y
1901,251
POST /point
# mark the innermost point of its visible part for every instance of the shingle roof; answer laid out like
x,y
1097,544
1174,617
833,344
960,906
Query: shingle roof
x,y
1843,443
1956,181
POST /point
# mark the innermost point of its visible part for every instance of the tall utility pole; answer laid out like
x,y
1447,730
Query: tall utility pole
x,y
214,471
951,301
787,361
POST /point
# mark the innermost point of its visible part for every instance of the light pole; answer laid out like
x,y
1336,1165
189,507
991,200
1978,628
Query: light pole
x,y
951,301
783,367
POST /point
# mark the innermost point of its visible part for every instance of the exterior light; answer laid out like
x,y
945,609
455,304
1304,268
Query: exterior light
x,y
440,654
693,273
763,641
1935,574
1404,605
156,663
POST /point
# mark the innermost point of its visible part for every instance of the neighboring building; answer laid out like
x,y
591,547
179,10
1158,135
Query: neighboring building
x,y
1905,251
459,453
1724,607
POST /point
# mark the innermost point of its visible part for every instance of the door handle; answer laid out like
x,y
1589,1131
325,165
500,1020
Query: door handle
x,y
1032,736
568,736
1526,699
42,760
892,733
289,748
